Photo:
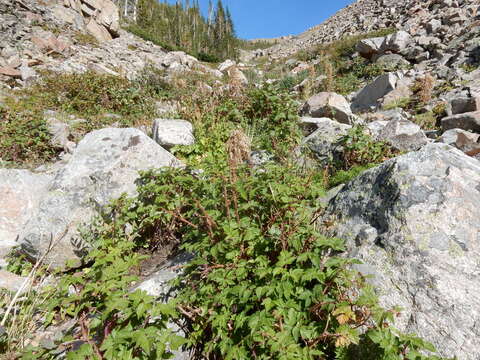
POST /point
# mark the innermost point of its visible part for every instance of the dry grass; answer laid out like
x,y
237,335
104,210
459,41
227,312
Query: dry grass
x,y
22,316
238,148
423,88
330,76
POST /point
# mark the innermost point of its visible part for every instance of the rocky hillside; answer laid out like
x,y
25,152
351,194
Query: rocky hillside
x,y
364,16
61,37
318,201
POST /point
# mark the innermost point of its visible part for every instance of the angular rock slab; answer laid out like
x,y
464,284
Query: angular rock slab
x,y
21,191
323,142
368,96
330,105
104,165
413,221
171,132
402,135
462,140
370,47
468,121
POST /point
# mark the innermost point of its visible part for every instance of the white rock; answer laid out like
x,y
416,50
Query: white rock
x,y
171,132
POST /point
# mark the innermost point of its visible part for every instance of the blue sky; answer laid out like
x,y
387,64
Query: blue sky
x,y
273,18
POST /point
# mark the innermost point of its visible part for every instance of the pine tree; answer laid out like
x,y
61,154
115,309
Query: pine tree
x,y
182,26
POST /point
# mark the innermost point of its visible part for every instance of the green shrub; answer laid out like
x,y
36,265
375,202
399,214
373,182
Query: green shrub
x,y
265,113
24,137
206,57
265,284
91,96
115,322
359,149
290,81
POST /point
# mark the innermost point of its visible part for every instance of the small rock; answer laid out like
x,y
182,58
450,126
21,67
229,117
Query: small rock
x,y
329,105
10,281
226,65
171,132
323,142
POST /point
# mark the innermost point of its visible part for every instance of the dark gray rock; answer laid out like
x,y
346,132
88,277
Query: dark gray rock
x,y
467,121
463,105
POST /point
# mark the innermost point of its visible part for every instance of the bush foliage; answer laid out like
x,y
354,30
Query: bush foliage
x,y
264,283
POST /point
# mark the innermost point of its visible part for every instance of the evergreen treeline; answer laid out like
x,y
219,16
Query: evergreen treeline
x,y
183,27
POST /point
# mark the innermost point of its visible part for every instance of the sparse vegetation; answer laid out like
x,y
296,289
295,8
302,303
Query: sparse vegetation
x,y
85,39
343,72
403,103
359,149
24,135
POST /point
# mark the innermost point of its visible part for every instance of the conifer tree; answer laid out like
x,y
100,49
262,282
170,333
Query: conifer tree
x,y
182,26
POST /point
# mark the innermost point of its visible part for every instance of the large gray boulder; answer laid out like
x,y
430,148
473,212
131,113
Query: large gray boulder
x,y
21,192
413,222
105,164
330,105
